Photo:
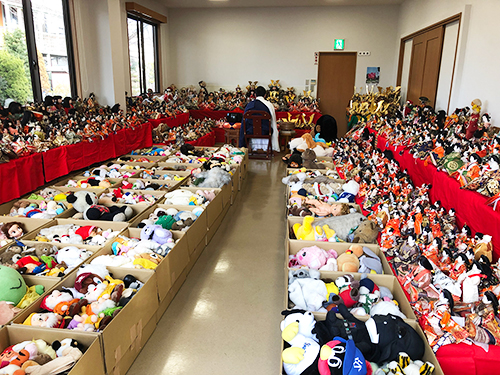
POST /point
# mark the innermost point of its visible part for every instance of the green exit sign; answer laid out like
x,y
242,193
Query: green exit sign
x,y
338,44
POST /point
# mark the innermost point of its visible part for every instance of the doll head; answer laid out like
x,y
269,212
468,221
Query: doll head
x,y
47,320
13,230
339,209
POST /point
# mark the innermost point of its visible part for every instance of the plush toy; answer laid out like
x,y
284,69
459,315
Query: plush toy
x,y
213,178
341,356
72,256
342,225
348,262
302,273
317,258
308,232
308,158
59,232
156,233
68,355
405,366
308,294
86,203
351,189
366,232
297,330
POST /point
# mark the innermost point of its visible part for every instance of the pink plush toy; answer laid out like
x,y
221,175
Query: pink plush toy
x,y
316,258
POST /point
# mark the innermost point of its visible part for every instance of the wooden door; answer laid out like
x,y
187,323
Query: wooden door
x,y
424,65
336,80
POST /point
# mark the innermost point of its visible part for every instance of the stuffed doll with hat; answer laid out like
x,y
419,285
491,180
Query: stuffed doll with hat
x,y
341,356
301,357
86,203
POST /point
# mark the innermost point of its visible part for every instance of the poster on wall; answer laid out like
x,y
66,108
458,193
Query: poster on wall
x,y
373,75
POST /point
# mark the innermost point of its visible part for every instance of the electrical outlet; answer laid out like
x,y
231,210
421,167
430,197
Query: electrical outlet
x,y
363,53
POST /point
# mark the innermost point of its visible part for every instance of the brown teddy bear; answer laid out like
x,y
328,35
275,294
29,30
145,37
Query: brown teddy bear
x,y
366,232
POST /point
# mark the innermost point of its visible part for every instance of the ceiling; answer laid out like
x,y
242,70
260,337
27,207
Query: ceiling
x,y
272,3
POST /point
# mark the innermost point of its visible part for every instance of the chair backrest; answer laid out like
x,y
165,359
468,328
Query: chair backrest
x,y
256,117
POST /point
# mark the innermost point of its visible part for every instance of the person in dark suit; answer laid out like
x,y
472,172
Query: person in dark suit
x,y
260,104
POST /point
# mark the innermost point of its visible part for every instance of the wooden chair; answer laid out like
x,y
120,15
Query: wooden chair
x,y
257,117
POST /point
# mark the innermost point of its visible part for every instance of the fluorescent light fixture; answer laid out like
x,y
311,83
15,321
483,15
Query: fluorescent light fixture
x,y
218,1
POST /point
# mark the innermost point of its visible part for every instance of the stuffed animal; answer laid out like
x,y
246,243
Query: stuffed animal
x,y
405,366
342,356
351,189
86,203
348,262
342,225
156,233
297,330
308,294
213,178
316,258
308,158
308,232
366,232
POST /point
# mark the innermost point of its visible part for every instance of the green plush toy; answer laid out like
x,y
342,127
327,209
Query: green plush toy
x,y
12,285
166,221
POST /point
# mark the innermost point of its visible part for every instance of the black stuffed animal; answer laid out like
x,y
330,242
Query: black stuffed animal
x,y
294,160
380,339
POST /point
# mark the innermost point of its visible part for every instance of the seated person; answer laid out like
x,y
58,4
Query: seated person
x,y
325,129
260,104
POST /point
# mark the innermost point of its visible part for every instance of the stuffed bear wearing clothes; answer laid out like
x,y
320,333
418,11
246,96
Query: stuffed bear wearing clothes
x,y
86,203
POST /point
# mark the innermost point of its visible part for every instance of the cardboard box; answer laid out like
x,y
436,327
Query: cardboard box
x,y
157,194
172,266
114,182
193,257
291,220
114,225
215,226
92,349
294,246
121,332
178,167
151,158
214,208
388,281
170,295
31,226
429,355
6,207
92,249
134,165
142,334
235,183
196,233
133,172
226,192
47,282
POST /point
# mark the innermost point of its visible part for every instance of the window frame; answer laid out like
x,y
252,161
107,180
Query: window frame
x,y
140,46
29,26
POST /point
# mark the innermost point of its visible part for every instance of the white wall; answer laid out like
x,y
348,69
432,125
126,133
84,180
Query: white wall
x,y
230,46
102,43
476,74
94,46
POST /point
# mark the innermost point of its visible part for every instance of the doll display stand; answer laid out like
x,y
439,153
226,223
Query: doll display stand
x,y
30,172
471,208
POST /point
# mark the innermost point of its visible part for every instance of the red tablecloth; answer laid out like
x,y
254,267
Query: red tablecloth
x,y
220,135
207,140
217,115
470,207
463,359
20,176
172,122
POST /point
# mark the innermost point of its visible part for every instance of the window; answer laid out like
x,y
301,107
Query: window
x,y
143,54
36,56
